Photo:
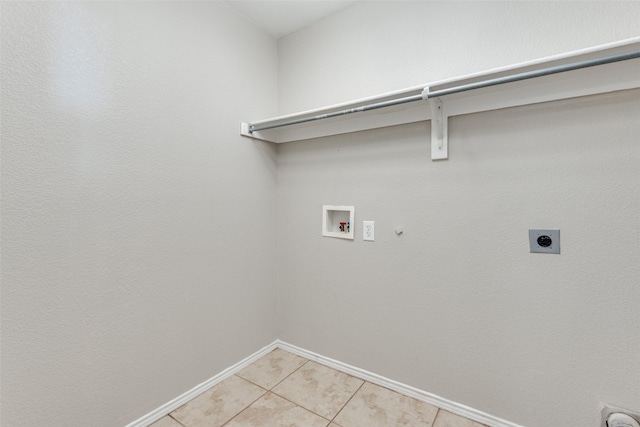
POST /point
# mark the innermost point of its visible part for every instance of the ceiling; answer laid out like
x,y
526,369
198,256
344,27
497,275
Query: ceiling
x,y
279,18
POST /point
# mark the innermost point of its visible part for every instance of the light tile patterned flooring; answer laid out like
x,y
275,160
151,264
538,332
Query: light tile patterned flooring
x,y
285,390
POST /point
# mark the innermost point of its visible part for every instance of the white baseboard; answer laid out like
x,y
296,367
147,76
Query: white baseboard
x,y
448,405
441,402
174,404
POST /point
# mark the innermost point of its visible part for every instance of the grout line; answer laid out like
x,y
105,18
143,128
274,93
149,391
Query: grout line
x,y
272,387
281,397
300,406
292,372
246,407
307,409
436,416
268,390
251,382
347,402
244,379
170,416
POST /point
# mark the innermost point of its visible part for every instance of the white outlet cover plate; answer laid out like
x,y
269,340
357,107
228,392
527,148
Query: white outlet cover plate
x,y
368,230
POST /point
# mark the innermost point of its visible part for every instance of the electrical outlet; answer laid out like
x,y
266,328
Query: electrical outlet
x,y
368,230
544,241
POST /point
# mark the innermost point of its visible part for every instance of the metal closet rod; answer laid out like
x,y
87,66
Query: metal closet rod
x,y
456,89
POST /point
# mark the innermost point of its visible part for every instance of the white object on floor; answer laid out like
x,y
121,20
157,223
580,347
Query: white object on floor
x,y
618,419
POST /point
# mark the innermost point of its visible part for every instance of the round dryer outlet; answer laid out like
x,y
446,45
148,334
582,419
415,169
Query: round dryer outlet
x,y
618,419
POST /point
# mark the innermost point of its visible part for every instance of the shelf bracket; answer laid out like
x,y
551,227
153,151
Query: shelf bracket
x,y
439,119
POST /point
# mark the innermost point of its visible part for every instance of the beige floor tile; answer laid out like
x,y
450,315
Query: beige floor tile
x,y
269,370
166,422
447,419
218,405
273,411
319,389
374,406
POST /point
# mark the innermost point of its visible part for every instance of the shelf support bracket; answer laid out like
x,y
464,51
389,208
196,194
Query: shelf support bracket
x,y
439,120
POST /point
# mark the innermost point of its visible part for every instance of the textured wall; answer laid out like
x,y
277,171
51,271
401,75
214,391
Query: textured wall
x,y
457,305
137,225
374,47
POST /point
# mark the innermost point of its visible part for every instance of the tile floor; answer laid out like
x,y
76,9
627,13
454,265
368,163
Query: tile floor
x,y
285,390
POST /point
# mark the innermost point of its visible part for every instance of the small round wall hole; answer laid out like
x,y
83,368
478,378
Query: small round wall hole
x,y
544,241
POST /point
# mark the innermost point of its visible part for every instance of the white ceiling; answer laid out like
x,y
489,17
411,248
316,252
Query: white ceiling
x,y
279,18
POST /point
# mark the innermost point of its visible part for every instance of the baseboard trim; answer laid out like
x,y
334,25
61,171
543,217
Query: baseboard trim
x,y
441,402
174,404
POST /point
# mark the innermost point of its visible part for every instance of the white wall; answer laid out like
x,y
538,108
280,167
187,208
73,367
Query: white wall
x,y
457,305
379,46
137,225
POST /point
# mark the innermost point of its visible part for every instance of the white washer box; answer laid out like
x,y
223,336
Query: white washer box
x,y
338,221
